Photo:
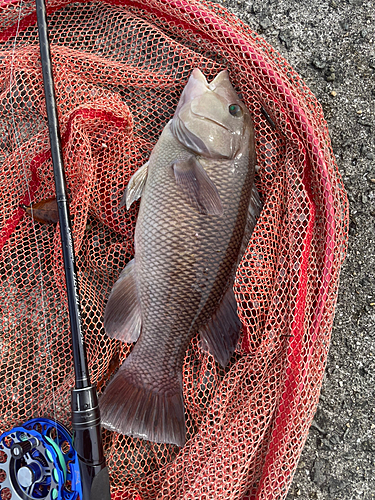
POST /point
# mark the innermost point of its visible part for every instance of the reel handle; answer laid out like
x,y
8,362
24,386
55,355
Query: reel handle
x,y
18,450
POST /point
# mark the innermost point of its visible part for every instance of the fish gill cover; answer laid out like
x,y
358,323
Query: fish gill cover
x,y
120,68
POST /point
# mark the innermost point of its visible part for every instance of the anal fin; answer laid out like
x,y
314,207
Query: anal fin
x,y
122,316
220,335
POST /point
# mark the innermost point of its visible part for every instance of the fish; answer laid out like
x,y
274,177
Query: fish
x,y
198,207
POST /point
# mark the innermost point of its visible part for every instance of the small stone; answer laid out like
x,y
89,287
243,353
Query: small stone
x,y
364,201
330,77
344,25
317,472
364,33
373,181
256,8
359,112
333,4
321,419
334,93
368,445
286,37
365,152
319,62
265,23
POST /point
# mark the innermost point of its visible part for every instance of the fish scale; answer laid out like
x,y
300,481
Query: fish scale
x,y
190,228
215,234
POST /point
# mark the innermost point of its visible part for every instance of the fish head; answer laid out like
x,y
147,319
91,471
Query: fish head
x,y
210,119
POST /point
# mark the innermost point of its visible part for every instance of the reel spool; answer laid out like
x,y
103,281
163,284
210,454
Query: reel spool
x,y
38,461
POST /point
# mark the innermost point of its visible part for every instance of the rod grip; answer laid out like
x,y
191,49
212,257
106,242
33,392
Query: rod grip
x,y
88,444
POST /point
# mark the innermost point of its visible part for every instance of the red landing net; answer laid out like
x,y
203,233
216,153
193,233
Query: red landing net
x,y
119,68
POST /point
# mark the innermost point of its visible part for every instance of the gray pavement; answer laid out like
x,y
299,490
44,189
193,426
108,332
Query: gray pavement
x,y
331,43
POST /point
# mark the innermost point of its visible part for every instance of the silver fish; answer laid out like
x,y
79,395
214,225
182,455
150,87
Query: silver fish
x,y
198,208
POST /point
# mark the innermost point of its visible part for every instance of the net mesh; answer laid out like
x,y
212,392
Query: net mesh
x,y
119,69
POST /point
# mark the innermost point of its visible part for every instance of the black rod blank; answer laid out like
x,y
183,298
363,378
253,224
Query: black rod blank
x,y
79,352
85,409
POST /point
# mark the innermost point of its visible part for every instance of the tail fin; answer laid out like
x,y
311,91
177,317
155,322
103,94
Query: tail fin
x,y
155,414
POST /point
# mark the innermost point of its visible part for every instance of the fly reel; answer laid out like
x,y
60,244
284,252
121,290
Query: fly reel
x,y
38,461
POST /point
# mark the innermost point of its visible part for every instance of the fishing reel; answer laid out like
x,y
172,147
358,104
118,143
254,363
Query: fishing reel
x,y
38,461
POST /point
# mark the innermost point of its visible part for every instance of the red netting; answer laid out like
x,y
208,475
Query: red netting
x,y
119,69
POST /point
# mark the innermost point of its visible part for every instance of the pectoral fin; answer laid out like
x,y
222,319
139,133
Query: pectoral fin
x,y
195,184
135,186
122,316
220,335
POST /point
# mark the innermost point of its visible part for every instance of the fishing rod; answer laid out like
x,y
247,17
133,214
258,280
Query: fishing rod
x,y
87,440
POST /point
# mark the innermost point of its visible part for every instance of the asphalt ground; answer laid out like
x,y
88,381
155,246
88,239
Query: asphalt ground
x,y
331,44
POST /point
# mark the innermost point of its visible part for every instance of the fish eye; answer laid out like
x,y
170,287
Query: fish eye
x,y
235,110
